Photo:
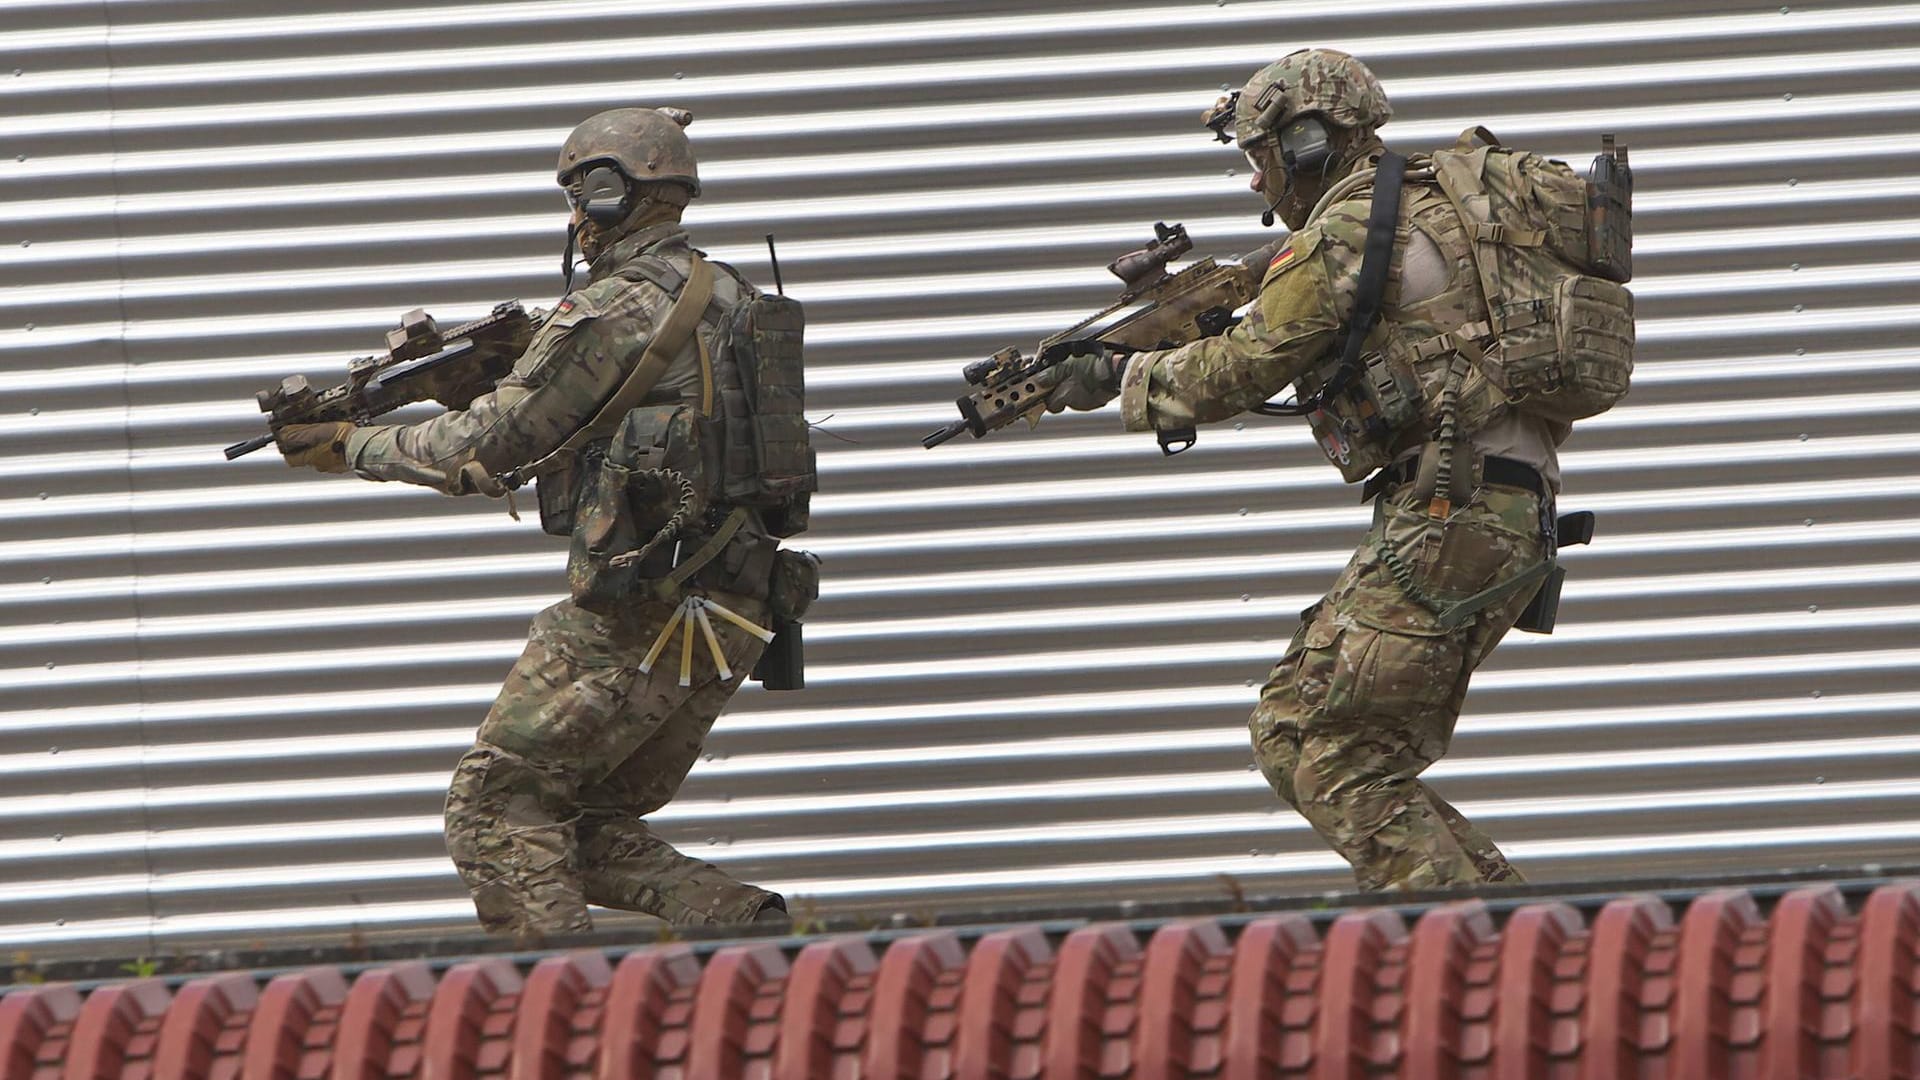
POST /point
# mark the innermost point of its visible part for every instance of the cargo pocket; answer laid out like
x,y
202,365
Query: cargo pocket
x,y
1364,672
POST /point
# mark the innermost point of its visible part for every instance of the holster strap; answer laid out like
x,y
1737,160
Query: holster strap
x,y
1454,615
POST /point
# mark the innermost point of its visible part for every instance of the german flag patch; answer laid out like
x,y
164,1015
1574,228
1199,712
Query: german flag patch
x,y
563,307
1282,259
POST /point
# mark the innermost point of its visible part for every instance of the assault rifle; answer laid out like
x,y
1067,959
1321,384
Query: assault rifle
x,y
1156,310
422,363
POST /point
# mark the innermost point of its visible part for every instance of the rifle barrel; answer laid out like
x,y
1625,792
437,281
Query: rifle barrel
x,y
945,433
242,449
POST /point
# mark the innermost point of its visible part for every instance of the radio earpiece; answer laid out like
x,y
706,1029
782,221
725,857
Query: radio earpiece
x,y
1305,144
605,197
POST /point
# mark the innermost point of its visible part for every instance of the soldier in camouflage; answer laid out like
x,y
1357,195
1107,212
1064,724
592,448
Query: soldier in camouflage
x,y
1367,695
545,813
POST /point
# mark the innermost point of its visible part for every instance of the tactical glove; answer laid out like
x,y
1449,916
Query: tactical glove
x,y
317,446
1088,379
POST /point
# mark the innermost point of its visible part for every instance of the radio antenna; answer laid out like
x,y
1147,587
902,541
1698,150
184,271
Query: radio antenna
x,y
774,257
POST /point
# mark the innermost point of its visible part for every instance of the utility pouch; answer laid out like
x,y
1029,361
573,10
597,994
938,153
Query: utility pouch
x,y
794,584
1390,400
1343,436
1571,356
642,482
652,440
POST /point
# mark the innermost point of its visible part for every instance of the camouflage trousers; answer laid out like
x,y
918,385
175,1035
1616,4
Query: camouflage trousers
x,y
544,814
1368,692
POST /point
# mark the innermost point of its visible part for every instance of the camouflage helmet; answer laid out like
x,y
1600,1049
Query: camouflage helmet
x,y
646,144
1324,81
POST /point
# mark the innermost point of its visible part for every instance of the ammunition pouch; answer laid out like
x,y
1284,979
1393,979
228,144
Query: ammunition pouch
x,y
1351,423
794,584
558,490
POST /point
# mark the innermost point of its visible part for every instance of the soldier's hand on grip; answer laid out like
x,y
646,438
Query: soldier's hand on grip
x,y
316,446
1089,378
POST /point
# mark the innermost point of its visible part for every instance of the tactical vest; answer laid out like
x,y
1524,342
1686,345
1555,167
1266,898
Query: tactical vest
x,y
1549,329
719,472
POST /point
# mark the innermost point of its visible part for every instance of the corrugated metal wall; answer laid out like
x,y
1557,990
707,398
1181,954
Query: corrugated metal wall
x,y
232,694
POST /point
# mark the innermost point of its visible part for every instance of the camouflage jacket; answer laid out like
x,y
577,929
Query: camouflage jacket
x,y
1305,298
577,359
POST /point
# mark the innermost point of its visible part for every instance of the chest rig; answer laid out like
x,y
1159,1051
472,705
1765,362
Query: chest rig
x,y
669,491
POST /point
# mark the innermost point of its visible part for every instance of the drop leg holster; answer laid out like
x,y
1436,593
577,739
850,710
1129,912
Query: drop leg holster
x,y
1444,476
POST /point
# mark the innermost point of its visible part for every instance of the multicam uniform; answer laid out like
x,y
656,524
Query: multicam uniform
x,y
1368,692
544,815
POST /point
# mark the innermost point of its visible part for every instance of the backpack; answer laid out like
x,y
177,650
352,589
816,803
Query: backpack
x,y
1551,251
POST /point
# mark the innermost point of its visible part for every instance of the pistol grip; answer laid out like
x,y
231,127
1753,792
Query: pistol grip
x,y
1177,440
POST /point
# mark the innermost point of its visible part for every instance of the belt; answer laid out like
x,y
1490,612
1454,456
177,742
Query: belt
x,y
1505,472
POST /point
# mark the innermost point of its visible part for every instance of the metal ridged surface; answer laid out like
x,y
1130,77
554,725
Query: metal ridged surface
x,y
233,694
1811,990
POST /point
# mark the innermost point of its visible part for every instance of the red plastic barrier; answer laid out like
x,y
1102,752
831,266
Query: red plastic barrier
x,y
1812,990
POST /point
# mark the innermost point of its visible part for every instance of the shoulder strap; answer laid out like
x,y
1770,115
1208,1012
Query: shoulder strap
x,y
1376,259
683,318
1383,219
